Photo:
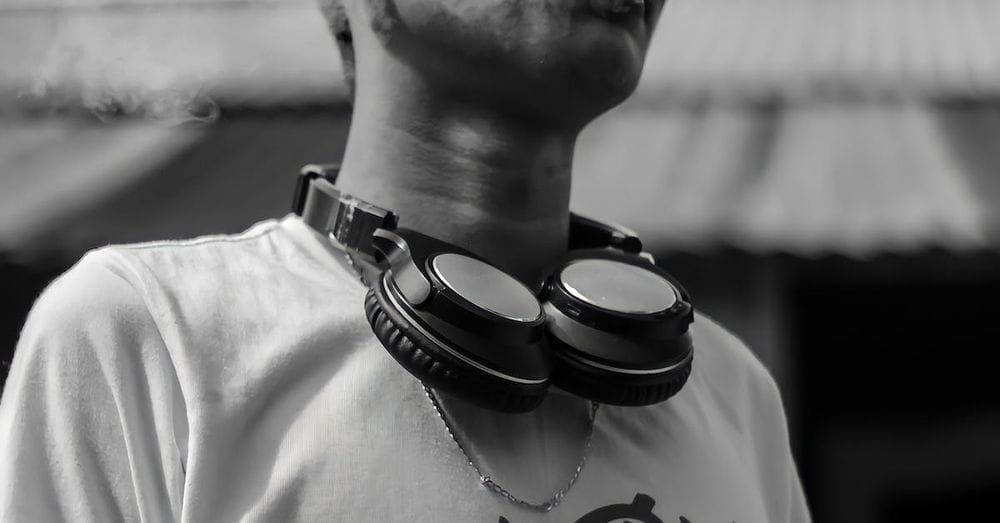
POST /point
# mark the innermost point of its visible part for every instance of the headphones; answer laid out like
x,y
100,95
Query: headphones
x,y
607,325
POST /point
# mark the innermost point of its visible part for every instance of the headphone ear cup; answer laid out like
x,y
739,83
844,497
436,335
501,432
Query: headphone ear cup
x,y
437,369
605,386
618,328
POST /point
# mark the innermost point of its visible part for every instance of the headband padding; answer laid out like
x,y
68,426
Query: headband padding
x,y
439,370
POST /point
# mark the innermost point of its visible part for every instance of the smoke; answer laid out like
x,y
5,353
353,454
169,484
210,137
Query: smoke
x,y
167,60
115,64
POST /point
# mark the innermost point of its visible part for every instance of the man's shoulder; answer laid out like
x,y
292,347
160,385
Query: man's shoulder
x,y
724,353
93,291
265,254
83,325
111,283
729,376
121,290
201,253
736,396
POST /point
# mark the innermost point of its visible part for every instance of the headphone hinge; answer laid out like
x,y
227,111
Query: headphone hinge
x,y
587,233
348,220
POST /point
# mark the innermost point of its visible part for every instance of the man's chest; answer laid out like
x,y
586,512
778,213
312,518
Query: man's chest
x,y
365,444
359,455
397,474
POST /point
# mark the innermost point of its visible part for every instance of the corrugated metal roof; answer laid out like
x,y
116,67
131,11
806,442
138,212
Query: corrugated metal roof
x,y
807,172
68,185
271,52
809,179
809,48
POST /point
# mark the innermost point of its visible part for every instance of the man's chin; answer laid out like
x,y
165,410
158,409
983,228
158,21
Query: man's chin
x,y
574,104
594,92
609,66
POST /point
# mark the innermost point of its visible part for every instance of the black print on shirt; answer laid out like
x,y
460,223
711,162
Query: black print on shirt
x,y
639,511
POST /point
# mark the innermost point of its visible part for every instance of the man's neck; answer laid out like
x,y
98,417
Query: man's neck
x,y
496,185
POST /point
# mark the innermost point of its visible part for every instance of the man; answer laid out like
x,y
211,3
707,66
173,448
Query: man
x,y
236,377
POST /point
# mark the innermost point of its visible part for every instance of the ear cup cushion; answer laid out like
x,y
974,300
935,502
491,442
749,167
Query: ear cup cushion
x,y
616,389
438,369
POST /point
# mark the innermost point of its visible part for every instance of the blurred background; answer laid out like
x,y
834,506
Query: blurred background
x,y
824,176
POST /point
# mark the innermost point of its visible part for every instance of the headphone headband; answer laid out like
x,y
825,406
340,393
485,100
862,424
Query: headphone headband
x,y
606,323
352,221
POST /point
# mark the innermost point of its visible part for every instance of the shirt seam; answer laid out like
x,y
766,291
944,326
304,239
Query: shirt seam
x,y
266,228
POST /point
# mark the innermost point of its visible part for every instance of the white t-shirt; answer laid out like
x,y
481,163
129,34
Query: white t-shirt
x,y
235,378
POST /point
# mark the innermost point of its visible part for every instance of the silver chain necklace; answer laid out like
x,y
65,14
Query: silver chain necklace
x,y
488,482
484,478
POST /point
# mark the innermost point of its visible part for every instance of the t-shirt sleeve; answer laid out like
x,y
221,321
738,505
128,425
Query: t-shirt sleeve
x,y
744,386
779,477
92,420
